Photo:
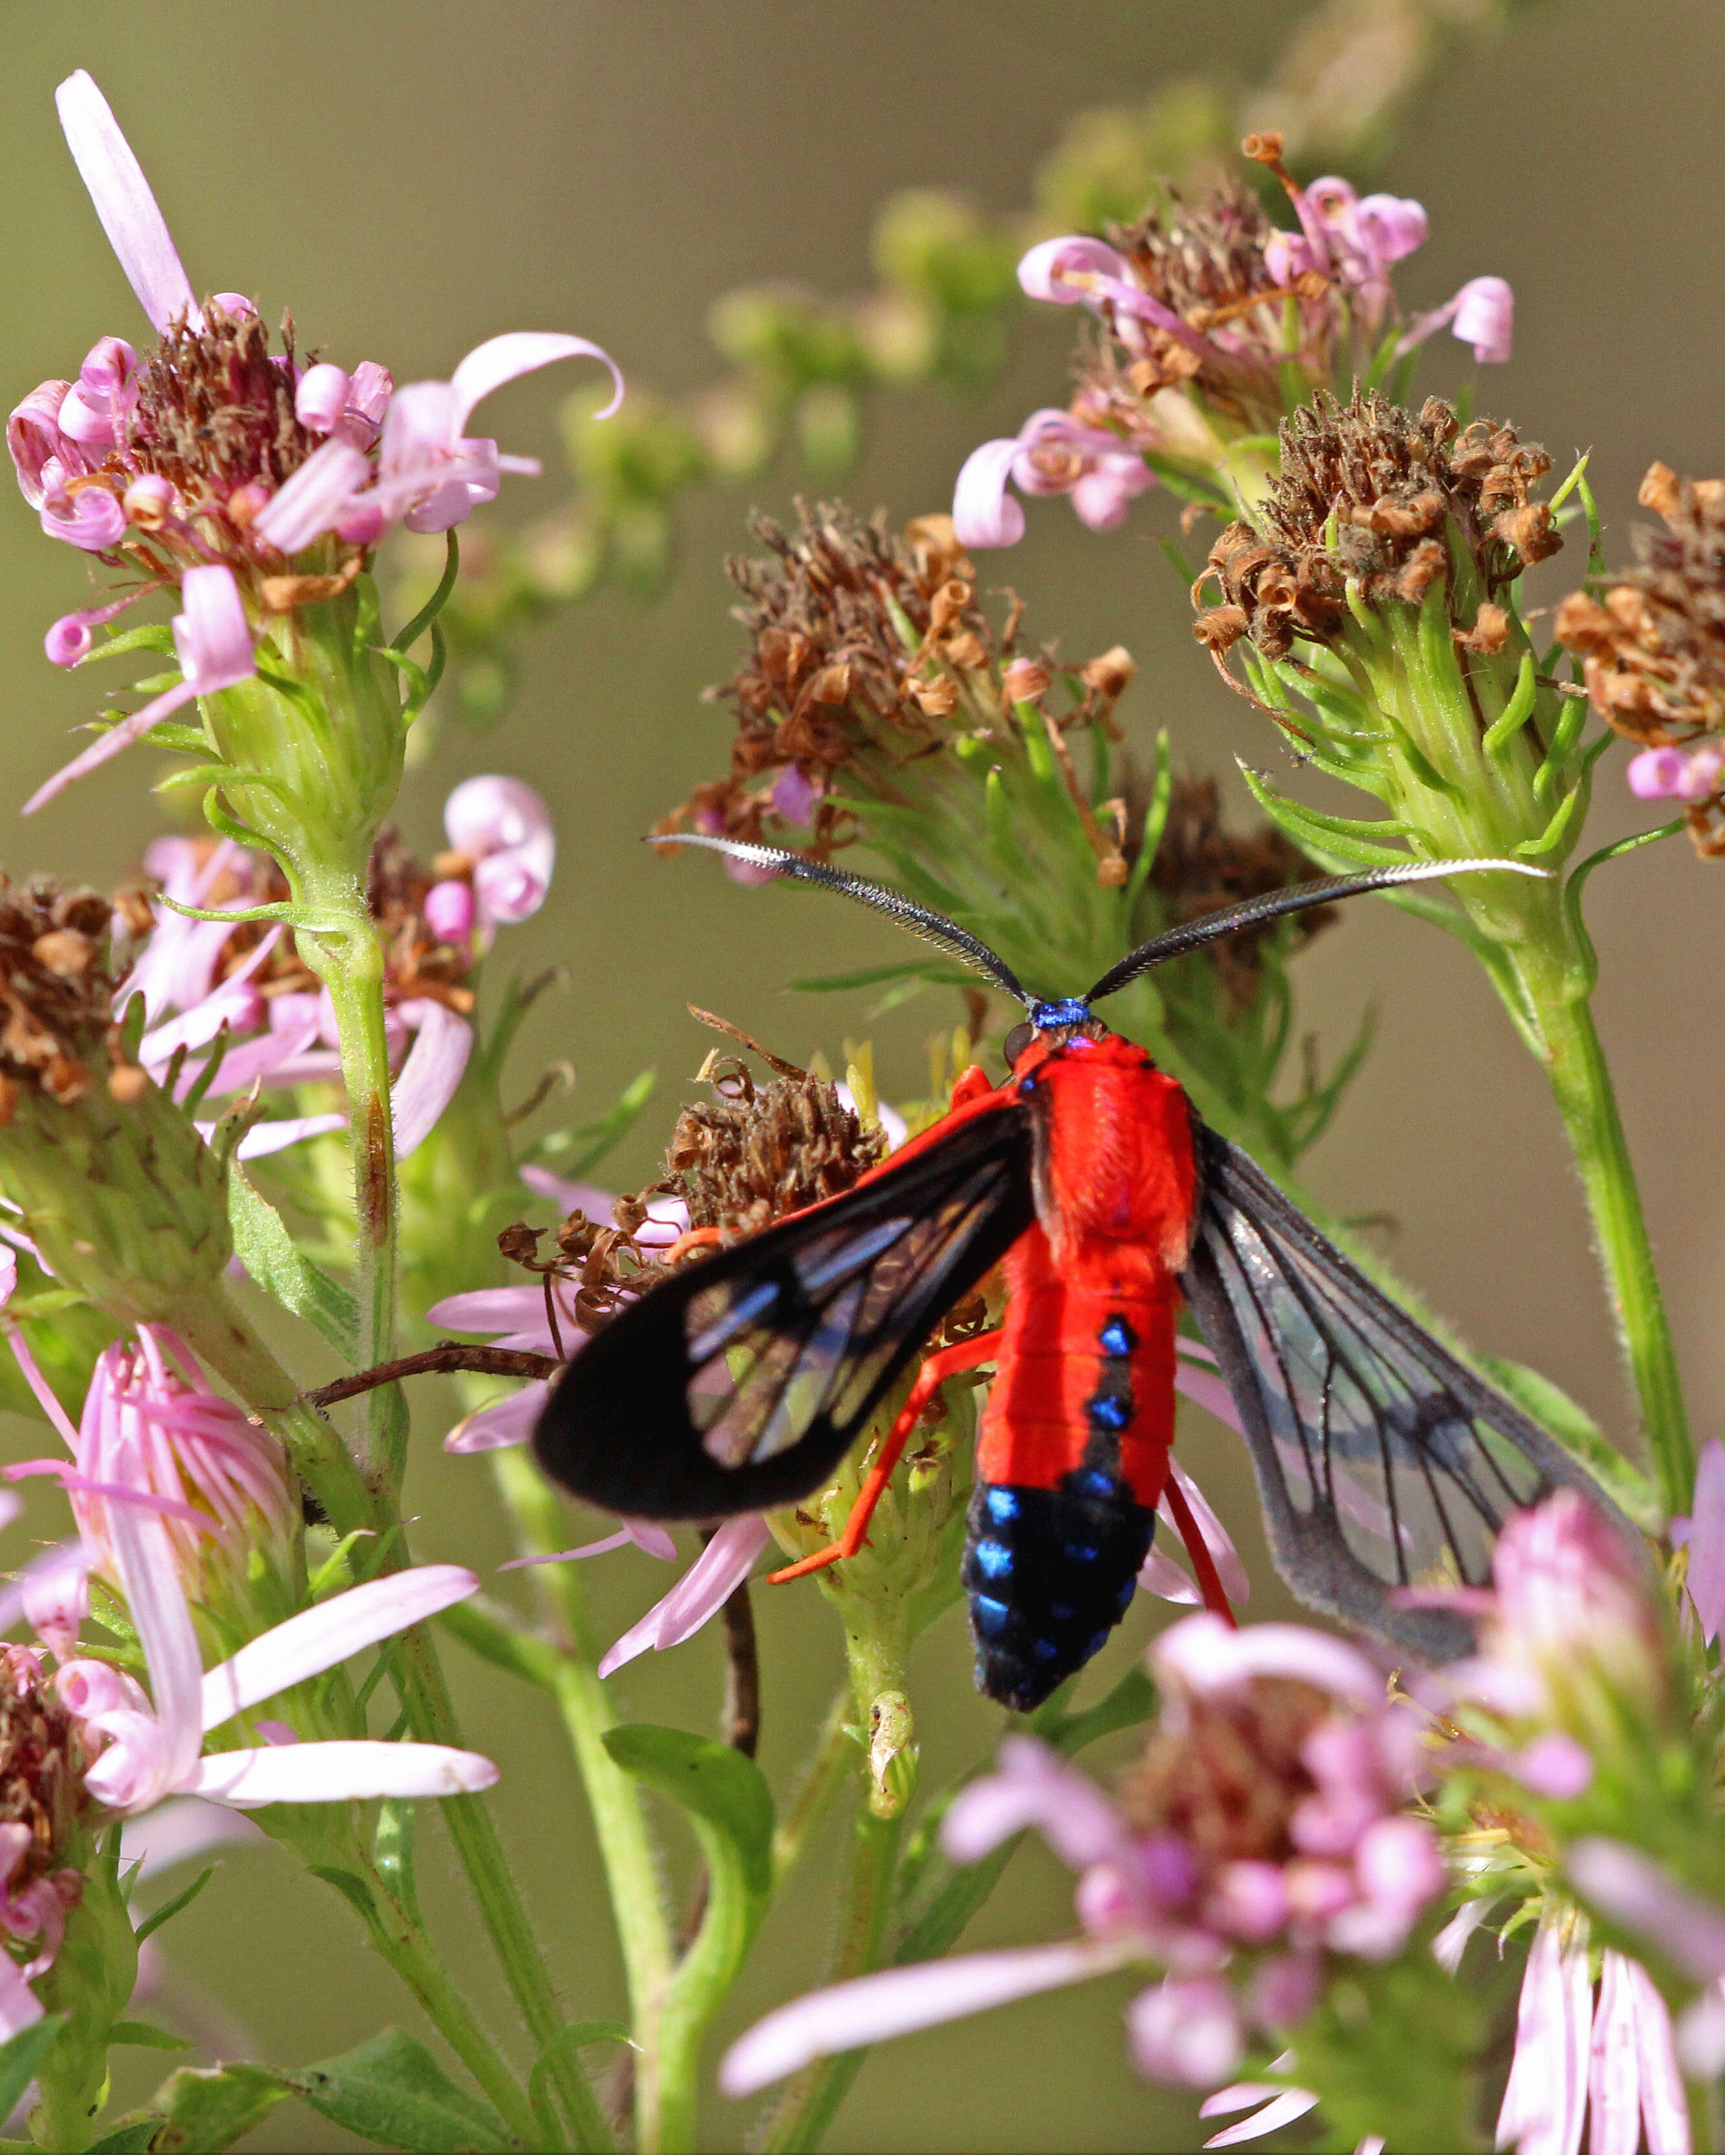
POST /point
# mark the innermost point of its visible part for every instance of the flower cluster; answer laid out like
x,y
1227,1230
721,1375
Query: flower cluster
x,y
1652,648
1206,313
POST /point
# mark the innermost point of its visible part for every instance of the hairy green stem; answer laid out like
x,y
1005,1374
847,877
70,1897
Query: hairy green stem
x,y
1574,1062
818,1784
626,1850
812,2099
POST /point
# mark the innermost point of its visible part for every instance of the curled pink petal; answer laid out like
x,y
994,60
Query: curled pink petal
x,y
1208,1656
1102,497
320,396
1485,318
337,1772
91,517
504,828
69,640
1043,271
136,230
99,403
430,1075
984,513
700,1593
1394,225
502,359
34,439
870,2009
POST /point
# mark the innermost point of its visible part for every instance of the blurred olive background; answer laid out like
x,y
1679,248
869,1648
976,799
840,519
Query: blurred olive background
x,y
410,179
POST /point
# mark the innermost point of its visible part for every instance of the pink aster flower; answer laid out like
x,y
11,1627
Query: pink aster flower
x,y
308,452
1676,774
501,831
1242,1938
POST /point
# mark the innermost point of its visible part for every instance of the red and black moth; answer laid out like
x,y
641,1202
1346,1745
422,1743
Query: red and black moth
x,y
1382,1462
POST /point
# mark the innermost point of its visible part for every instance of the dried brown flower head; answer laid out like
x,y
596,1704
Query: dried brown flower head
x,y
867,650
44,1758
1201,866
57,975
1225,1774
756,1152
215,412
1372,494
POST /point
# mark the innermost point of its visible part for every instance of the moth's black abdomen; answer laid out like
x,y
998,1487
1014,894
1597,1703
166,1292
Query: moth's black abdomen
x,y
1049,1573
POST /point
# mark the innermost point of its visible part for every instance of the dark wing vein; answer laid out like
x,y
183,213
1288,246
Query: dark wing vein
x,y
741,1382
1382,1460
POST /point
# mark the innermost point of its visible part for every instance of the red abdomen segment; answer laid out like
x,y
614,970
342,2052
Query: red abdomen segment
x,y
1073,1450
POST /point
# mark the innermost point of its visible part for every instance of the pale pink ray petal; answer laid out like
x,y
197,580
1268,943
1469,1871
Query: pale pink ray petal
x,y
507,1421
1283,2107
19,2006
1035,1787
1208,1655
502,359
263,1139
91,518
1450,1943
1642,1896
1485,318
53,1595
1160,1576
1546,2094
870,2009
488,1309
34,439
313,499
700,1593
1185,2031
428,1078
1664,2102
984,513
1705,1536
157,1602
182,1828
1614,2093
1043,272
332,1773
504,827
318,1637
136,230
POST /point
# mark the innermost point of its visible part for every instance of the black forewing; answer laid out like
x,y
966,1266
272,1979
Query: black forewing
x,y
742,1382
1382,1461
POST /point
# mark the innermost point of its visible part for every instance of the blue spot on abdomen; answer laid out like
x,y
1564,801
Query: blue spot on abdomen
x,y
994,1559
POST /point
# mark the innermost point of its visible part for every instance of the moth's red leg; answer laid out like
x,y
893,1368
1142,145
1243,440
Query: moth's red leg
x,y
691,1238
945,1362
1203,1563
971,1084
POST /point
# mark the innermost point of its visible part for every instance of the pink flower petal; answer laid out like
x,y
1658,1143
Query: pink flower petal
x,y
1034,1787
1217,1540
1632,2034
314,499
320,396
335,1771
182,1828
1043,272
488,1310
1185,2032
870,2009
263,1139
1206,1655
700,1593
136,230
502,359
1706,1540
155,1600
1283,2107
428,1078
1485,318
449,911
1642,1896
1160,1576
33,437
319,1638
19,2006
984,513
504,827
1543,2101
508,1421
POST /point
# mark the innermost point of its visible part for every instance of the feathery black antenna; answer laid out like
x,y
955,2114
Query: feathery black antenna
x,y
1272,905
933,928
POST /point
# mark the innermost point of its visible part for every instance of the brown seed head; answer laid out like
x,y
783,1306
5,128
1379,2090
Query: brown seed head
x,y
215,413
757,1153
43,1758
57,976
1225,1776
1373,495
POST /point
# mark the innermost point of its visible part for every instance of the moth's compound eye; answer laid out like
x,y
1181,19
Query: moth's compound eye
x,y
1017,1041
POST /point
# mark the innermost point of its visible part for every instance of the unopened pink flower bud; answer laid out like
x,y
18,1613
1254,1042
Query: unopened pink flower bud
x,y
449,911
68,640
322,396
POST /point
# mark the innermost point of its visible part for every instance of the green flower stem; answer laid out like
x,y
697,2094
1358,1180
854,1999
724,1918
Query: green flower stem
x,y
626,1850
820,1784
404,1945
351,968
1574,1062
811,2099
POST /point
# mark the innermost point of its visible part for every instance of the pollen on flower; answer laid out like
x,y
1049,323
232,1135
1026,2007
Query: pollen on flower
x,y
214,415
1652,647
1374,496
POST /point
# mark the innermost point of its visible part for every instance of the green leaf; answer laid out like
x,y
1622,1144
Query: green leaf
x,y
730,1808
575,1153
391,2089
306,918
183,1899
1131,1700
871,977
1575,1429
566,2041
271,1255
21,2057
212,2107
132,2137
144,636
146,2035
350,1886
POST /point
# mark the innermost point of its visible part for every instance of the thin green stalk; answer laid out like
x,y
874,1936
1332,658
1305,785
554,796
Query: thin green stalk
x,y
1581,1083
352,970
631,1872
803,2115
820,1784
410,1953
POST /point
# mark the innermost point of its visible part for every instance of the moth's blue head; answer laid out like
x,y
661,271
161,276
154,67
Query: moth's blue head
x,y
1070,1010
